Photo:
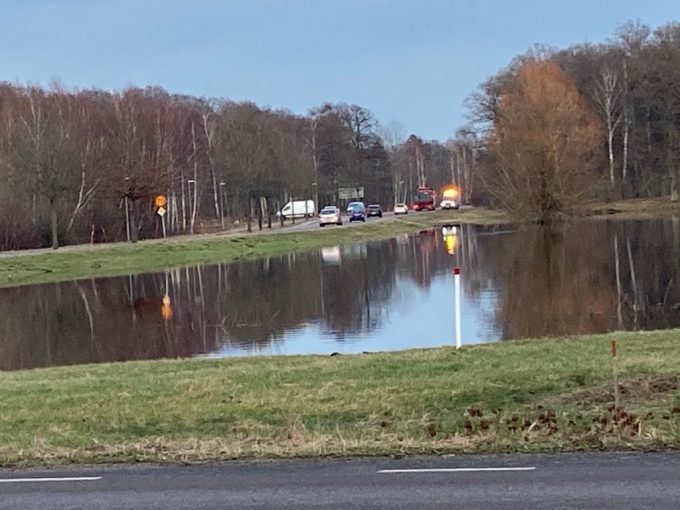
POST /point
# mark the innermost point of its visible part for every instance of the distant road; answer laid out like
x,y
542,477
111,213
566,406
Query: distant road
x,y
314,223
300,225
621,481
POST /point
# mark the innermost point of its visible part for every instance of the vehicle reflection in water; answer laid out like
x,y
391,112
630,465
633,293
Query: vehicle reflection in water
x,y
331,255
450,234
166,308
584,277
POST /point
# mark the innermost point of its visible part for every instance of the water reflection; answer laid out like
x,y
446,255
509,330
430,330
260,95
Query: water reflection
x,y
450,234
580,278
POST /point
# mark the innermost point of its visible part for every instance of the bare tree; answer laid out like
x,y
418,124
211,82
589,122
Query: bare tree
x,y
209,130
393,135
607,93
194,180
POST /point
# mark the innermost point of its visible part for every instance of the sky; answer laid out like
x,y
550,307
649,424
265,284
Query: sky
x,y
412,62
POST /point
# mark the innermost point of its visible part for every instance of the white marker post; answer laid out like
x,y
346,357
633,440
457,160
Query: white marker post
x,y
161,212
456,283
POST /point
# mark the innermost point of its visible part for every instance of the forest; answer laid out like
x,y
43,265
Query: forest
x,y
554,127
85,166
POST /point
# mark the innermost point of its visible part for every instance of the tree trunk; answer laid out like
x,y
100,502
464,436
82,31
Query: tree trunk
x,y
249,217
610,147
458,168
55,228
183,201
626,121
452,166
194,204
211,160
133,224
674,186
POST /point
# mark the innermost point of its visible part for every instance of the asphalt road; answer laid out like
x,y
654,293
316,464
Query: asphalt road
x,y
314,223
621,481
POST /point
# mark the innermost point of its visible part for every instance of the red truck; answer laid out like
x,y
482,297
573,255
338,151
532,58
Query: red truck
x,y
424,199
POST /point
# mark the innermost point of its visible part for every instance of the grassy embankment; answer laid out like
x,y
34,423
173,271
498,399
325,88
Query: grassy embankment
x,y
522,396
155,255
84,261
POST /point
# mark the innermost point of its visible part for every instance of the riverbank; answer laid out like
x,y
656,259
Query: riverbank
x,y
84,261
520,396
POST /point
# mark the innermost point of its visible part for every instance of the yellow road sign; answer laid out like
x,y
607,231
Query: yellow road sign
x,y
160,201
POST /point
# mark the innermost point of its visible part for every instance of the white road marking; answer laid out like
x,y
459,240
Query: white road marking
x,y
39,480
457,470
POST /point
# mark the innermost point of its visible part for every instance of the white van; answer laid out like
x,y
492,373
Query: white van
x,y
298,209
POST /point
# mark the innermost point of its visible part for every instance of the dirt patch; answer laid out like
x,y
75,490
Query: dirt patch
x,y
637,389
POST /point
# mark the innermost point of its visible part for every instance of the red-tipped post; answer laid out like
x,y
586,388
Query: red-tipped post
x,y
456,283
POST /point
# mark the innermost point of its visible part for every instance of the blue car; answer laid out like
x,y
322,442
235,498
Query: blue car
x,y
357,212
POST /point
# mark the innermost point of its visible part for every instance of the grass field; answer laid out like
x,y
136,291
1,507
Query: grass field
x,y
519,396
85,261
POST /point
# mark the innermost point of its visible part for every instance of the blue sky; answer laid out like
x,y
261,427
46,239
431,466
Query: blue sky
x,y
409,61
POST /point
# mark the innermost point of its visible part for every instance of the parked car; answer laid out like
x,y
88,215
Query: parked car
x,y
330,215
374,210
357,212
400,208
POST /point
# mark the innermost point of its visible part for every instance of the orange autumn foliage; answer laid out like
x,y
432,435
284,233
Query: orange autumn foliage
x,y
547,142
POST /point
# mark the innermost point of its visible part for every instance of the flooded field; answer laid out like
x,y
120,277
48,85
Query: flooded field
x,y
583,277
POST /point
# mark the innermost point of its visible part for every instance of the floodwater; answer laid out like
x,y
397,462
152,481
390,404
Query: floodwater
x,y
583,277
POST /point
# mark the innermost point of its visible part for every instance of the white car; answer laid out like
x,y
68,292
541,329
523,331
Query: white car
x,y
330,215
449,203
400,208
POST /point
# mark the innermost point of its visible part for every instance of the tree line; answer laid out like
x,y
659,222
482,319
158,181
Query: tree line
x,y
593,120
85,166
